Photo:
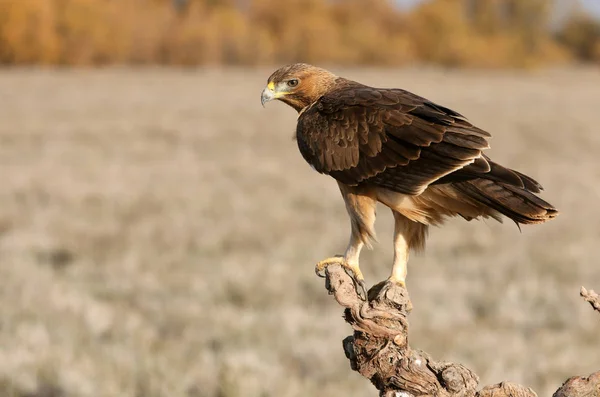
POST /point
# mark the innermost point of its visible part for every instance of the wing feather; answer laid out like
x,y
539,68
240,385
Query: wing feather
x,y
390,138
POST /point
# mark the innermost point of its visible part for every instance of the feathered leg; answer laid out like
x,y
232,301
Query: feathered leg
x,y
361,206
407,235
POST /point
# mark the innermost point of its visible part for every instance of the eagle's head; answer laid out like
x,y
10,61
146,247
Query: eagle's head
x,y
298,85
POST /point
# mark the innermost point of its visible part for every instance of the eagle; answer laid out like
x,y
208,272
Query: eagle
x,y
424,161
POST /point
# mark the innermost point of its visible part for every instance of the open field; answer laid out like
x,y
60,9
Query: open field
x,y
158,231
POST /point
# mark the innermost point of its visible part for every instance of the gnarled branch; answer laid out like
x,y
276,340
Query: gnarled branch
x,y
379,349
591,297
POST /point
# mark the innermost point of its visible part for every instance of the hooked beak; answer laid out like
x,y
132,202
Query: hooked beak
x,y
268,94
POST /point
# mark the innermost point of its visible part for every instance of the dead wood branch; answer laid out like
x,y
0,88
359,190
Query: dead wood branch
x,y
592,298
579,386
379,350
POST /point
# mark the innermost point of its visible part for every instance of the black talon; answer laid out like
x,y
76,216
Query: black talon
x,y
384,289
350,273
361,289
320,273
359,285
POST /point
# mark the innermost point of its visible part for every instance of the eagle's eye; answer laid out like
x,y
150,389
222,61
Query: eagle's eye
x,y
292,82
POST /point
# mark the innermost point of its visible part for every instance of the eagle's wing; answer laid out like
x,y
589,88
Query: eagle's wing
x,y
390,138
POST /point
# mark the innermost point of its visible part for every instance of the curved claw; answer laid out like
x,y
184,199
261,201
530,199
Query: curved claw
x,y
359,283
361,289
320,272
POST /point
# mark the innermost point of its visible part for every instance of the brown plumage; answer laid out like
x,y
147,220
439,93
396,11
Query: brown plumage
x,y
422,160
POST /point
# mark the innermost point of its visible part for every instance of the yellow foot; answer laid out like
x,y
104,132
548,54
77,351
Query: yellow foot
x,y
353,271
401,283
335,260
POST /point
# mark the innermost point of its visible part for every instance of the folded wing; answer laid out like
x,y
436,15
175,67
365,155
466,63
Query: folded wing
x,y
390,138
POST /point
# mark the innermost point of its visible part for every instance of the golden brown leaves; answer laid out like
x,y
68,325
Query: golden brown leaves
x,y
447,32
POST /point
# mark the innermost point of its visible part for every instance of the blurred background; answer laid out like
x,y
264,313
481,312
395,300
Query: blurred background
x,y
477,33
158,227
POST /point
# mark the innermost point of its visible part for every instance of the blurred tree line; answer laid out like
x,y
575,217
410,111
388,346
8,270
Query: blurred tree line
x,y
474,33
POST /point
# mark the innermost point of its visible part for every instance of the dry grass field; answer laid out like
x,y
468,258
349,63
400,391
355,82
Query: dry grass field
x,y
158,231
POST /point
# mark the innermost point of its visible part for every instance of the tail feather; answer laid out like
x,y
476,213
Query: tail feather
x,y
529,183
484,168
517,203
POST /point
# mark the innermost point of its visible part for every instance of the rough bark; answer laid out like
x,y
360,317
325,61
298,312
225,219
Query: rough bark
x,y
379,349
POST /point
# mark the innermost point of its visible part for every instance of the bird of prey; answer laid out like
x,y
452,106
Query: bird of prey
x,y
422,160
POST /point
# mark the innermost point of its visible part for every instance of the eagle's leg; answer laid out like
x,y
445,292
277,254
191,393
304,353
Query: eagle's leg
x,y
350,263
361,205
401,249
348,260
407,234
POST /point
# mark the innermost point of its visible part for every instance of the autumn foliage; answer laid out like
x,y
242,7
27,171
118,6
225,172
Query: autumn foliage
x,y
480,33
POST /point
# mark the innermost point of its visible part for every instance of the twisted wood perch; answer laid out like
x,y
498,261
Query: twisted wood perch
x,y
379,349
